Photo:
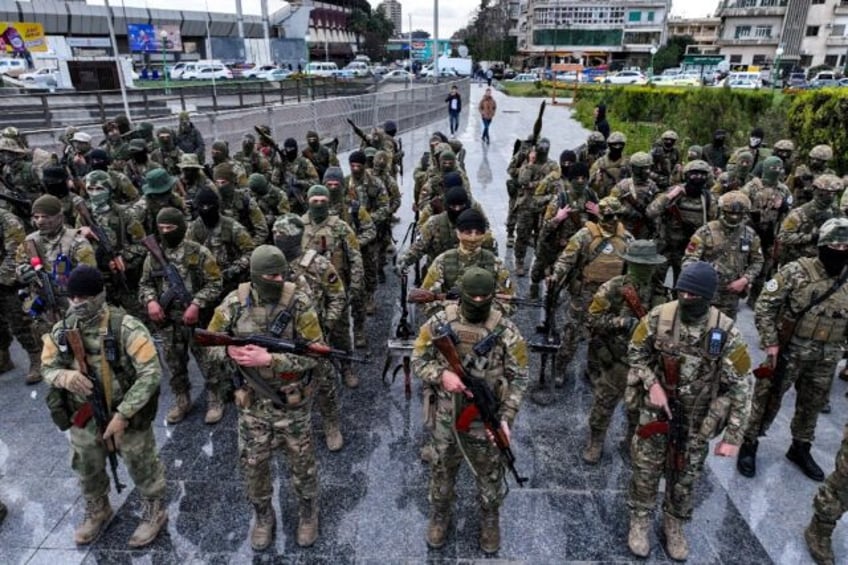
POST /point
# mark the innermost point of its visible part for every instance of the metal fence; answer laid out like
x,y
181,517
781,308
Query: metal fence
x,y
410,108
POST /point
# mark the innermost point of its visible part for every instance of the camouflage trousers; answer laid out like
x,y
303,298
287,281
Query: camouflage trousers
x,y
608,386
576,330
328,395
812,379
649,457
138,452
262,428
16,323
370,257
543,260
339,336
831,501
526,224
177,342
482,455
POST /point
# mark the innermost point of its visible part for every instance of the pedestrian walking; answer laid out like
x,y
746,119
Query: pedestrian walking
x,y
489,76
454,101
487,108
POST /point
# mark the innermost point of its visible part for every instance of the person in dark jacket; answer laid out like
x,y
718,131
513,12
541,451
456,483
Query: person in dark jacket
x,y
454,101
601,123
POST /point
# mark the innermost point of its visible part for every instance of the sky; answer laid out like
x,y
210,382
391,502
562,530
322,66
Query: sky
x,y
453,15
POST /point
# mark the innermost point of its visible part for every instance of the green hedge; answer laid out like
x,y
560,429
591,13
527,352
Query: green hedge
x,y
821,116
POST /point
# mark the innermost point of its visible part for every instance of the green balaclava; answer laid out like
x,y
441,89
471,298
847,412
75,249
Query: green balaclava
x,y
173,216
641,273
772,167
268,260
258,184
476,282
318,212
743,164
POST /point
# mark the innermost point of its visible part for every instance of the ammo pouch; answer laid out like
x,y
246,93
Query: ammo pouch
x,y
821,329
58,403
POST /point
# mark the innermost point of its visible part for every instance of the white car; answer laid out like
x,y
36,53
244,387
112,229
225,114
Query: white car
x,y
208,72
524,77
626,77
258,71
398,75
443,73
275,74
38,75
743,84
570,76
358,68
177,70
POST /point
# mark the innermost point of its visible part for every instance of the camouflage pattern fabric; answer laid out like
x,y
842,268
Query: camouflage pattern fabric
x,y
830,502
799,232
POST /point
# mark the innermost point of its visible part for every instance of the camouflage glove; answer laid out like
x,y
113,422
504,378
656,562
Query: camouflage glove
x,y
75,382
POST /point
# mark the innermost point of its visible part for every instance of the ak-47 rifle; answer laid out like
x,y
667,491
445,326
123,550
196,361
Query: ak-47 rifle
x,y
547,344
359,133
22,205
401,344
205,338
675,426
423,296
292,190
399,156
537,125
485,404
45,301
97,401
177,290
106,252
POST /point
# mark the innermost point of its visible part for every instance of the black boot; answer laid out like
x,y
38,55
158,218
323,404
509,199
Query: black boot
x,y
799,453
746,462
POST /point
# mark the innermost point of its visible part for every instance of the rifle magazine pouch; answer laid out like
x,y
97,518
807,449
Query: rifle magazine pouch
x,y
820,328
57,403
429,404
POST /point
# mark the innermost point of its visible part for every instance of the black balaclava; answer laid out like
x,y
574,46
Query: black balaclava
x,y
290,149
208,206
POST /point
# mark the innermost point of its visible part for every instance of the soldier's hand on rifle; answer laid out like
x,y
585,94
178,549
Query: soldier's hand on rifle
x,y
155,311
658,398
191,314
27,274
75,382
88,233
250,355
738,286
115,432
723,449
507,434
452,383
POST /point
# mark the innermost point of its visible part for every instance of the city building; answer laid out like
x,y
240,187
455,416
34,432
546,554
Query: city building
x,y
703,30
793,34
393,11
619,33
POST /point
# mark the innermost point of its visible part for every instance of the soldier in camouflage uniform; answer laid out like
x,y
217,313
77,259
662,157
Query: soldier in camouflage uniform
x,y
131,381
801,182
506,373
428,161
383,171
58,249
75,159
15,322
123,190
716,152
783,150
189,139
57,182
512,187
17,170
615,310
193,179
167,154
687,350
733,249
262,426
611,167
138,163
295,175
202,277
799,232
250,159
535,186
666,158
336,241
431,197
809,293
679,212
591,258
564,215
158,190
759,152
114,143
228,240
319,155
271,199
736,177
828,507
635,194
239,204
592,150
330,301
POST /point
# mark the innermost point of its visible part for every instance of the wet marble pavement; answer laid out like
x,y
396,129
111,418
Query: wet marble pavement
x,y
373,492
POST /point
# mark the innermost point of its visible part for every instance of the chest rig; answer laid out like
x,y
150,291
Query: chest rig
x,y
827,321
325,241
604,254
454,266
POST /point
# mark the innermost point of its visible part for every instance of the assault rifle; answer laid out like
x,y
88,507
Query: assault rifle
x,y
205,338
45,302
104,245
485,405
401,344
399,156
423,296
674,427
359,133
20,203
177,289
548,345
97,401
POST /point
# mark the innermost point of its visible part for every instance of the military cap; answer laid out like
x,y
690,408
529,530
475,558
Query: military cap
x,y
317,190
188,161
47,204
137,146
833,232
81,137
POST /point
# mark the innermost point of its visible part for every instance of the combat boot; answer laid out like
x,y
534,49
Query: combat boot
x,y
490,530
637,539
437,527
153,518
34,374
6,364
264,523
333,435
181,407
817,535
675,540
592,453
307,525
98,512
799,453
746,462
534,291
214,408
349,377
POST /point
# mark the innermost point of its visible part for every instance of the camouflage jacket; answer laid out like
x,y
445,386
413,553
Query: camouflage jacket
x,y
321,159
606,173
555,234
13,234
355,216
579,252
438,235
168,159
371,194
635,199
716,156
300,174
327,289
59,255
799,232
732,253
123,189
136,171
255,162
243,208
677,220
336,241
768,204
536,184
147,208
229,243
198,269
125,234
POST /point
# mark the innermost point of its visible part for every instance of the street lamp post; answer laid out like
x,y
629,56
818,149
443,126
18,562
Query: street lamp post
x,y
775,74
653,53
164,37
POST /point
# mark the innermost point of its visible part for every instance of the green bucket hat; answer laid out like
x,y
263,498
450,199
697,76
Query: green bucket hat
x,y
643,252
158,181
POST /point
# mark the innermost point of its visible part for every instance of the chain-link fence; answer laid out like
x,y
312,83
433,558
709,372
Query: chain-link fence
x,y
409,108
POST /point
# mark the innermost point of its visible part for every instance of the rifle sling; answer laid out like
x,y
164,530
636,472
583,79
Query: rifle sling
x,y
837,284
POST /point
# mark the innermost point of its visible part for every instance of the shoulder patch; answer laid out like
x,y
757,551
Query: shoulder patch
x,y
772,285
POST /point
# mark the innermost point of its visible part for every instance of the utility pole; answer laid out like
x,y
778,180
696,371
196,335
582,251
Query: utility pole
x,y
436,39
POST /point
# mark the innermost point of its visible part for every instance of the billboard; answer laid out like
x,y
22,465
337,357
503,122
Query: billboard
x,y
422,49
20,37
148,38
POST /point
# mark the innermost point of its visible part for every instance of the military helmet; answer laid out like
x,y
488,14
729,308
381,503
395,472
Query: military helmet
x,y
834,231
609,205
734,201
830,183
616,137
596,137
11,132
697,165
10,145
288,224
641,159
784,145
669,134
822,152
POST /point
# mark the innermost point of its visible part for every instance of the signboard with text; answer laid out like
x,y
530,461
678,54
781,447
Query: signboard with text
x,y
21,37
422,49
149,38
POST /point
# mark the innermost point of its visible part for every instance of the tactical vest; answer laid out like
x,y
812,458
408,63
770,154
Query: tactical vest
x,y
728,257
762,202
58,262
446,234
325,241
667,339
825,322
604,254
453,268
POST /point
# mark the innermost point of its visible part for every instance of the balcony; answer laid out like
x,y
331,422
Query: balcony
x,y
748,41
758,11
837,40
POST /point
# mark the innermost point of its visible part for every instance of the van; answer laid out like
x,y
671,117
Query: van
x,y
12,67
322,69
358,68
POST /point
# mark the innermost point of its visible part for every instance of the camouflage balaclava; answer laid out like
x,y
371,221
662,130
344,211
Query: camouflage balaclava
x,y
475,283
268,260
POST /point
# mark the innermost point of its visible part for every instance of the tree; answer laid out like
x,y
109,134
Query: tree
x,y
420,34
671,54
487,35
372,29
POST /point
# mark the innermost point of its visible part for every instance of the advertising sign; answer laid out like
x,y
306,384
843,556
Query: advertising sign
x,y
20,37
148,38
422,49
